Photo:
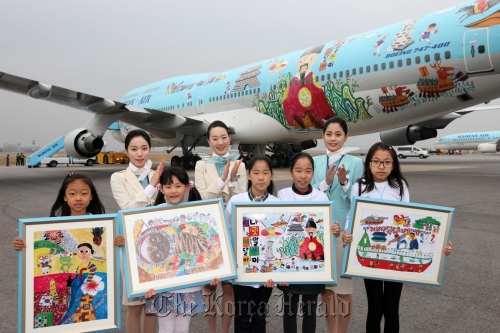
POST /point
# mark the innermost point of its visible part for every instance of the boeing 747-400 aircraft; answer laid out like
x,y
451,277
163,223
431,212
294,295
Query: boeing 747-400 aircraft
x,y
405,80
485,142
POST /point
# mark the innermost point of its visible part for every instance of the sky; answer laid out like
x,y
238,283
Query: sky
x,y
106,48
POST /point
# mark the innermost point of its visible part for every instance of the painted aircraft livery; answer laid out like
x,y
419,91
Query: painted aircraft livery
x,y
485,142
406,80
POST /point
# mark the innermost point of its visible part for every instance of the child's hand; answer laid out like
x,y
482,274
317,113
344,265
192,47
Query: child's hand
x,y
335,229
18,244
346,238
119,241
447,249
150,293
269,284
215,282
283,284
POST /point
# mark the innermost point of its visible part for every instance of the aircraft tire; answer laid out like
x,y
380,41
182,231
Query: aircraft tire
x,y
193,161
89,163
105,159
175,161
186,162
285,163
276,160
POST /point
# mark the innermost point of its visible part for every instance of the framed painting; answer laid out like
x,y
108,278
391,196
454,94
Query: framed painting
x,y
68,274
171,247
284,241
397,241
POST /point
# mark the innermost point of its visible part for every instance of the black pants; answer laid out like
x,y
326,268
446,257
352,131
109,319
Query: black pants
x,y
290,307
251,308
383,300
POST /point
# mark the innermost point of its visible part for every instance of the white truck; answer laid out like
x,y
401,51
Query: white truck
x,y
53,161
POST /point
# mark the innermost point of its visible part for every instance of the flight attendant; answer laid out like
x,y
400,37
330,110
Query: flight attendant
x,y
334,174
221,176
135,187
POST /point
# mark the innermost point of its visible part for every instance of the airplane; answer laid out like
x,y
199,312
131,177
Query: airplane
x,y
405,80
485,142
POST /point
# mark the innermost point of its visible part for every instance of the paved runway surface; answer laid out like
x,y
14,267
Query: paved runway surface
x,y
467,302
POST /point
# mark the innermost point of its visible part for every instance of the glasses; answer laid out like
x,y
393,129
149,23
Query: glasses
x,y
377,163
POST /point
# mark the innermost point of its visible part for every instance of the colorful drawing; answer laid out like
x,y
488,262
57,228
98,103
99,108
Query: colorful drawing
x,y
69,287
433,87
380,41
479,8
299,248
395,245
404,37
248,78
277,66
391,102
304,100
171,246
490,20
330,54
426,35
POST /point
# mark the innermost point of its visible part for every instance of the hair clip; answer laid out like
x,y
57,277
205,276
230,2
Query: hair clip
x,y
191,185
70,174
159,187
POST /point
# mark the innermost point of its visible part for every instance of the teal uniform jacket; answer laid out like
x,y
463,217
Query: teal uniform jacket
x,y
341,199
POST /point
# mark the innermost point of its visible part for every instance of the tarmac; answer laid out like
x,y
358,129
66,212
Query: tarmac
x,y
468,301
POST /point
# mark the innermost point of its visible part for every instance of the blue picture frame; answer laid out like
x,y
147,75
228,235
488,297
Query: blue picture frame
x,y
397,241
292,261
176,269
96,288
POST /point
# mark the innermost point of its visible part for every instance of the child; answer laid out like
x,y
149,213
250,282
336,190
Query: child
x,y
251,300
382,180
302,171
77,196
174,309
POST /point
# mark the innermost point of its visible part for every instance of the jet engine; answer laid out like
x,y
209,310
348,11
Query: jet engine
x,y
407,135
488,148
82,143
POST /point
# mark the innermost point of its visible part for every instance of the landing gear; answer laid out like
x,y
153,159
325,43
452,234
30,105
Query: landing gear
x,y
276,160
281,153
188,160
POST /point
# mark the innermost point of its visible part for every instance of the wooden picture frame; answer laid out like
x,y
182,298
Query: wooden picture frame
x,y
68,274
397,241
171,247
270,242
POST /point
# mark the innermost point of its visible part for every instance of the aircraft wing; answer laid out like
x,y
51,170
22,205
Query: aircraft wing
x,y
168,123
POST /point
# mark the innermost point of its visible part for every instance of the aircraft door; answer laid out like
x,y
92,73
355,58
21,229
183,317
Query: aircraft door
x,y
477,51
200,107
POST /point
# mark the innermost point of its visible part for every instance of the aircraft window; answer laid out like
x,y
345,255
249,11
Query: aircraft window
x,y
210,99
368,69
182,104
258,90
437,56
201,101
312,79
400,63
391,64
323,77
177,105
347,73
274,87
360,70
427,58
383,66
354,71
408,61
481,49
447,55
239,94
375,68
225,96
341,74
328,77
254,91
316,78
334,75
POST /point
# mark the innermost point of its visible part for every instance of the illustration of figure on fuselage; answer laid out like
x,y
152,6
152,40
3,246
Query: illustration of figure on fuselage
x,y
304,101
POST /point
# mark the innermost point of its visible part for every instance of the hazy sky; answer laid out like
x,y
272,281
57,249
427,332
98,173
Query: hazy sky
x,y
106,48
